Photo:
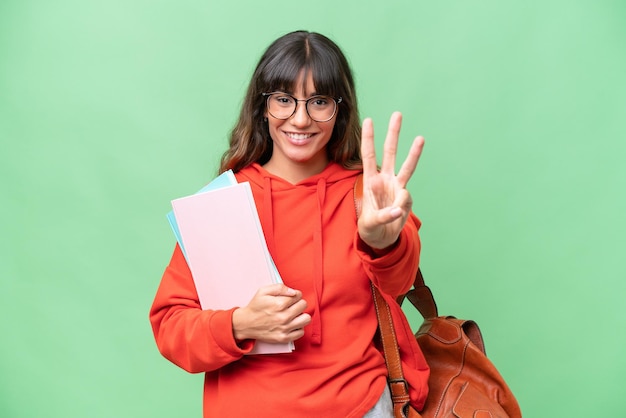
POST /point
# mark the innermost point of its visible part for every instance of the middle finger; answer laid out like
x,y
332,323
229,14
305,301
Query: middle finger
x,y
391,144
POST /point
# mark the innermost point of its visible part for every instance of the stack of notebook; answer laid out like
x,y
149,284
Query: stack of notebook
x,y
219,232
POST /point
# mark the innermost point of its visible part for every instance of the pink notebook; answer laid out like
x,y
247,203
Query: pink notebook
x,y
226,250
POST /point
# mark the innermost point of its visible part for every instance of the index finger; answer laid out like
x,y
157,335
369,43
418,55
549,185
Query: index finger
x,y
279,289
368,152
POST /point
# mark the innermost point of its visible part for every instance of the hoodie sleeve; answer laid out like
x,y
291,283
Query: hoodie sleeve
x,y
194,339
394,272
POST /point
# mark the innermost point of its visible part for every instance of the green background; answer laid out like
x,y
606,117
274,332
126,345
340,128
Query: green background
x,y
110,109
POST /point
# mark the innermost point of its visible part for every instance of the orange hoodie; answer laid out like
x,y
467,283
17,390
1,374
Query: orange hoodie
x,y
335,370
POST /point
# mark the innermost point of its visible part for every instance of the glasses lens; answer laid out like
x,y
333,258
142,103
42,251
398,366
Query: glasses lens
x,y
321,108
281,106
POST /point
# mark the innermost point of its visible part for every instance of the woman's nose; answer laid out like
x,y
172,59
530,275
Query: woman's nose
x,y
301,116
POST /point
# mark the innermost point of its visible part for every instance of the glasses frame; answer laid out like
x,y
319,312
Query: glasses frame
x,y
336,100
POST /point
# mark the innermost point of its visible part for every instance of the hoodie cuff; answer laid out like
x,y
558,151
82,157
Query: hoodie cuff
x,y
221,321
382,258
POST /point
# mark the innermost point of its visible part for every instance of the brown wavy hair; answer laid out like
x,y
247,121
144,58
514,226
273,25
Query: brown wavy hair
x,y
278,70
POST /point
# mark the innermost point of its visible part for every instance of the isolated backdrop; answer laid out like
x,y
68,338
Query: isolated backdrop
x,y
110,109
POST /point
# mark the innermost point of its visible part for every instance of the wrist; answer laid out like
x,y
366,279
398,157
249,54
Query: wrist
x,y
238,329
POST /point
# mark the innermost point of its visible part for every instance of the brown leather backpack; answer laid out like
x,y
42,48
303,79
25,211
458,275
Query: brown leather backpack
x,y
463,382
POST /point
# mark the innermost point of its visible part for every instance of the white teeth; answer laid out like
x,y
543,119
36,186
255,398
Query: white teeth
x,y
298,137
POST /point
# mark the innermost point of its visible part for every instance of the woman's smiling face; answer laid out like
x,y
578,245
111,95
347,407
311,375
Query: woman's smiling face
x,y
299,141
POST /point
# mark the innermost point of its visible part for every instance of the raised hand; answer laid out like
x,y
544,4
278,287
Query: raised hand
x,y
386,203
275,315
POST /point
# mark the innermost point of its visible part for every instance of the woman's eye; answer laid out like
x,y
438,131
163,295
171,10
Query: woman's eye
x,y
283,100
320,101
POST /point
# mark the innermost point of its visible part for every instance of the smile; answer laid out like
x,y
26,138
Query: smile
x,y
297,136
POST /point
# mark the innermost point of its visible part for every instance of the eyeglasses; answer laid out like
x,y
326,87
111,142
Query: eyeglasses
x,y
283,106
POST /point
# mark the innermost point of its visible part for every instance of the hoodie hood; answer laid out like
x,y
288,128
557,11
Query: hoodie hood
x,y
318,196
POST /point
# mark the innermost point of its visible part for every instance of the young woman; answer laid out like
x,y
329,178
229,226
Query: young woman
x,y
299,144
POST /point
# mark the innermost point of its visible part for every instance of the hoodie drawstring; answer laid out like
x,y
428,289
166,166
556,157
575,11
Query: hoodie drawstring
x,y
318,250
268,214
318,264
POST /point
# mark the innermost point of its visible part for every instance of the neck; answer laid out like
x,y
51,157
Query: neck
x,y
295,172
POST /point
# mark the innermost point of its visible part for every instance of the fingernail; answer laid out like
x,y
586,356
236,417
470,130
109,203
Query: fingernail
x,y
395,212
